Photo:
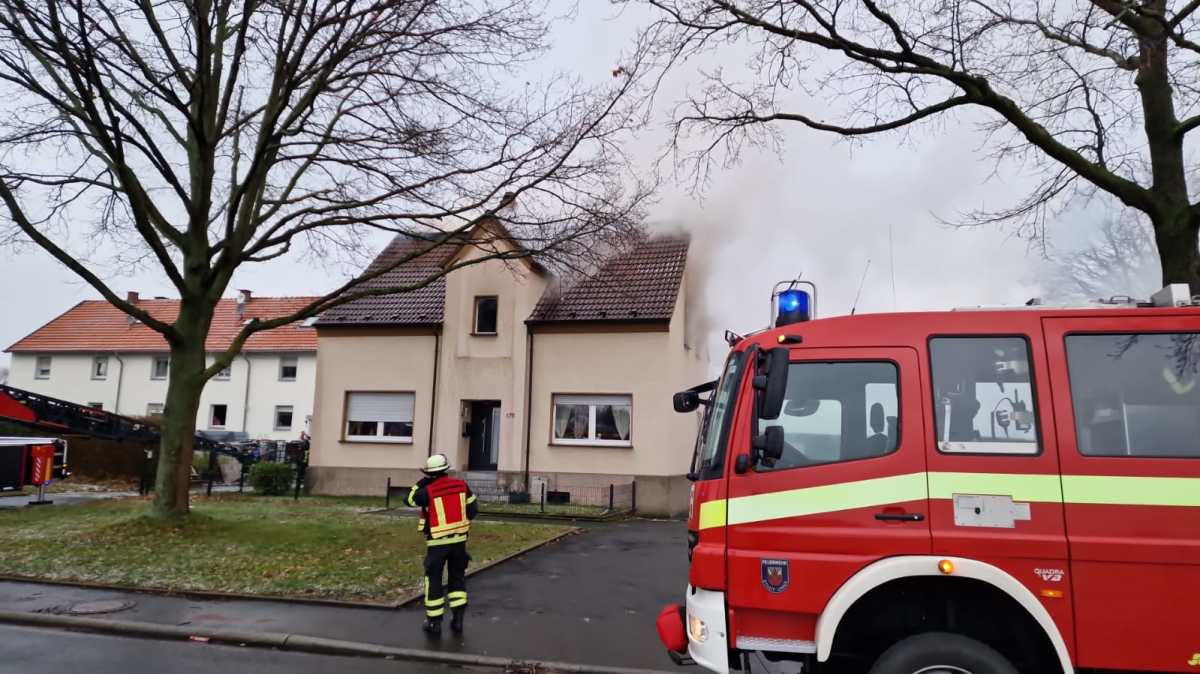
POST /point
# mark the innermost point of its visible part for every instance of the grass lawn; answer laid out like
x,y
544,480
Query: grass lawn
x,y
317,547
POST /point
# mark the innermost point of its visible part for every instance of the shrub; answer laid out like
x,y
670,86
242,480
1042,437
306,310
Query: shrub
x,y
272,479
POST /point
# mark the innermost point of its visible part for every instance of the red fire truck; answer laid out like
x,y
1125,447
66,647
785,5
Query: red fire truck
x,y
975,491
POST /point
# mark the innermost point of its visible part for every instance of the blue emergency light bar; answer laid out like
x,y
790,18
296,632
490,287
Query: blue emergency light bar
x,y
792,304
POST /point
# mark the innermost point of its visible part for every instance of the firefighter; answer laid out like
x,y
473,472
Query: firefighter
x,y
447,508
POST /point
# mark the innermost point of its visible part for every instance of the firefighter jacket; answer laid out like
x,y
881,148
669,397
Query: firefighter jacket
x,y
447,508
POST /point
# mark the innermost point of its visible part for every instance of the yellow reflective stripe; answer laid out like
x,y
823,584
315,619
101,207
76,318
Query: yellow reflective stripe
x,y
441,511
462,504
1124,490
1038,488
1081,489
451,528
456,603
457,594
712,514
446,541
434,613
434,603
472,499
827,498
411,493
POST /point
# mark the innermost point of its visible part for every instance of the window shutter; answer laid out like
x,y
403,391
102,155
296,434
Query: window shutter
x,y
592,400
381,407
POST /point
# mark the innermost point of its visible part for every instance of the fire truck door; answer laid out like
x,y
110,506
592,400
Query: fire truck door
x,y
1127,400
994,487
850,489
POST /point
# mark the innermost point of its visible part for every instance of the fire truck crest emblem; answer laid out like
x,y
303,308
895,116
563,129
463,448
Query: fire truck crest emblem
x,y
775,575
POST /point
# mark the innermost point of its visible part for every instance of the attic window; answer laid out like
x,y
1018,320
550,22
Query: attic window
x,y
485,315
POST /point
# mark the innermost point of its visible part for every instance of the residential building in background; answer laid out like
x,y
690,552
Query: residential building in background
x,y
94,354
523,386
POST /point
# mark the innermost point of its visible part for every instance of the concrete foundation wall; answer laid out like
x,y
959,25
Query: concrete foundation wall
x,y
657,495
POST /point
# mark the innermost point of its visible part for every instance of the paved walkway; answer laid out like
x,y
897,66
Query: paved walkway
x,y
590,598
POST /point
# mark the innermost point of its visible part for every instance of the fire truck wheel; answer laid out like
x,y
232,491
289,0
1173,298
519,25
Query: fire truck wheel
x,y
941,653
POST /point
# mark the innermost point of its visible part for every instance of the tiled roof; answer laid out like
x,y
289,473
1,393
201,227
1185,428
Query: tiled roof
x,y
422,306
99,326
641,284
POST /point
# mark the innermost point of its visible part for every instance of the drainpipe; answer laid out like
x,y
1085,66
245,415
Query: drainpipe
x,y
437,348
528,396
246,399
120,376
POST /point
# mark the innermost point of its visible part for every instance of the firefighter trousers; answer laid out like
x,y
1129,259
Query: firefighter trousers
x,y
453,593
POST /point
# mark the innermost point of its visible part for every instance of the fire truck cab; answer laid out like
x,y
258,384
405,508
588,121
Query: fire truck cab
x,y
974,491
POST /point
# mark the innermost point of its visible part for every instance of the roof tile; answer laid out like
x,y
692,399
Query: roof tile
x,y
96,325
640,284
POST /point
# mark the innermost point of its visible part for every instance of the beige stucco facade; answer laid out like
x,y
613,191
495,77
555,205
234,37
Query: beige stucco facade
x,y
645,361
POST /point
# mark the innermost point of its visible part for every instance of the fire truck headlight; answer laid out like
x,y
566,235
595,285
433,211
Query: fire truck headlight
x,y
697,630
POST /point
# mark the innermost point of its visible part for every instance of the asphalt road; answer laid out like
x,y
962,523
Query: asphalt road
x,y
25,650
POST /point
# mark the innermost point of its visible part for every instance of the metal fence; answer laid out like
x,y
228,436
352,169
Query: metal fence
x,y
560,499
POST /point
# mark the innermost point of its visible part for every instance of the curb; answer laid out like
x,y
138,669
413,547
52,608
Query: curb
x,y
316,601
304,644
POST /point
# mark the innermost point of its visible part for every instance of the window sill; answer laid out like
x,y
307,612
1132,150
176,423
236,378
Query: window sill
x,y
286,379
278,429
375,440
46,378
485,334
610,444
99,378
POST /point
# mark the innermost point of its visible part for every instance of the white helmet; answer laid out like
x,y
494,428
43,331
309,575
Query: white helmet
x,y
436,464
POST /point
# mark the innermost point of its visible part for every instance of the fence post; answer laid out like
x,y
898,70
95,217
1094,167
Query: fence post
x,y
611,490
387,498
633,496
241,476
543,497
299,480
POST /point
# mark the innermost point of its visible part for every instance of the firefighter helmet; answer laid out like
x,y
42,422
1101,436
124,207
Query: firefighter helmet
x,y
436,464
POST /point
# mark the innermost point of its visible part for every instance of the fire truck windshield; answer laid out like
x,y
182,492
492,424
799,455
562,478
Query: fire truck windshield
x,y
710,445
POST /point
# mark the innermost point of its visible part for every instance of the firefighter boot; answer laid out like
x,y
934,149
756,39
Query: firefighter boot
x,y
432,627
456,620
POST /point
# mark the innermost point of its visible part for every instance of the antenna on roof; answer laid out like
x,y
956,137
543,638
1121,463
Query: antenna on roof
x,y
854,307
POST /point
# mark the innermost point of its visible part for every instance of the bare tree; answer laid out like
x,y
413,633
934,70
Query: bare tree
x,y
1097,95
1118,260
199,136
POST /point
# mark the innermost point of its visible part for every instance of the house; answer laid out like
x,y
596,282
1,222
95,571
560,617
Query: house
x,y
521,384
95,354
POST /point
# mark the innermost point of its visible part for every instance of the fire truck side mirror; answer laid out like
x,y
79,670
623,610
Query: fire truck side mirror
x,y
770,381
686,401
769,446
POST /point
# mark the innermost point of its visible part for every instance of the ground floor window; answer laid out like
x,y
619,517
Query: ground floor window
x,y
379,417
283,417
217,415
602,420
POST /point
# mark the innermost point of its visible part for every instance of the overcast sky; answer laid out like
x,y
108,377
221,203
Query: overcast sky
x,y
823,211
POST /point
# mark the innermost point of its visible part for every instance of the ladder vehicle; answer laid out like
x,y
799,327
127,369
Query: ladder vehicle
x,y
976,492
60,416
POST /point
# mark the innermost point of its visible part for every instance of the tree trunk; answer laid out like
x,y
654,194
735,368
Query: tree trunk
x,y
1178,242
185,384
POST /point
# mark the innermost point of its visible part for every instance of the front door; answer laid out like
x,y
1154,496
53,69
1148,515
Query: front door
x,y
484,433
849,490
1127,401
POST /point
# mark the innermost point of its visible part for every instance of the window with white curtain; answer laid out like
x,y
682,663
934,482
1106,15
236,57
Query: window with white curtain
x,y
379,417
598,420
